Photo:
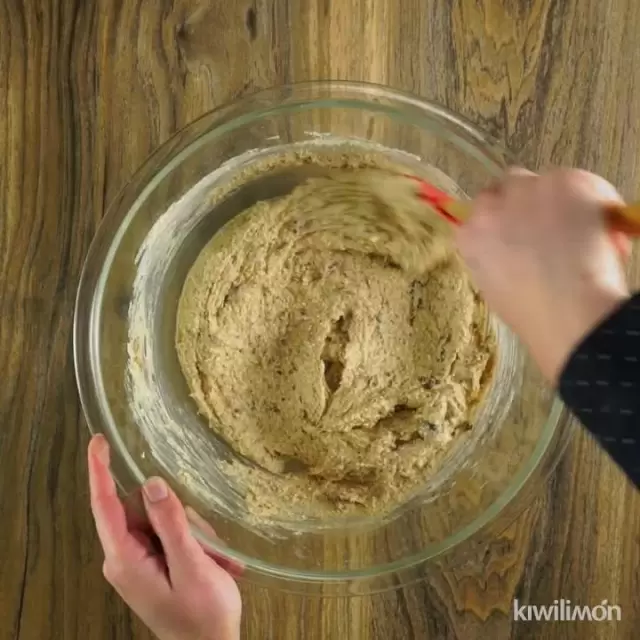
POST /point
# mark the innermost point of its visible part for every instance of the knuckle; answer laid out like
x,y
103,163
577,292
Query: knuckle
x,y
179,538
574,180
173,528
582,186
115,572
186,544
485,204
519,188
570,178
166,511
179,541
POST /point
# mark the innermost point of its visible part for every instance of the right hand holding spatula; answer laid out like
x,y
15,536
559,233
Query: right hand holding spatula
x,y
550,261
539,250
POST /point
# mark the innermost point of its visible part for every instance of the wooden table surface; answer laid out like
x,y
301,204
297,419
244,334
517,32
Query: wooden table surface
x,y
89,88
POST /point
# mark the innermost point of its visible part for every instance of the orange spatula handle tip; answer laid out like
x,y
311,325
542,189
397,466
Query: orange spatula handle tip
x,y
624,218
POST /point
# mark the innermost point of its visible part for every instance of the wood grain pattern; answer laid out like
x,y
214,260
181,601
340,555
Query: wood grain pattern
x,y
88,89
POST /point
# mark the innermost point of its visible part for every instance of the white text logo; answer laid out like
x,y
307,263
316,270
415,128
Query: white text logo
x,y
564,611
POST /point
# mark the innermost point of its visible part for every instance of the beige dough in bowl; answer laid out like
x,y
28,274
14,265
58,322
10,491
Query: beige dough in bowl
x,y
332,338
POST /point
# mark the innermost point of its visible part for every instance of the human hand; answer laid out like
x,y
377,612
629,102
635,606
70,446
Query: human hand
x,y
538,250
179,591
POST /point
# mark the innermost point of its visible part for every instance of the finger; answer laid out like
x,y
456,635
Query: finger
x,y
131,565
138,524
122,548
108,512
234,567
167,516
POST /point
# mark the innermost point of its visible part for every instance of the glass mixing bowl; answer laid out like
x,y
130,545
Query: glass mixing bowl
x,y
132,389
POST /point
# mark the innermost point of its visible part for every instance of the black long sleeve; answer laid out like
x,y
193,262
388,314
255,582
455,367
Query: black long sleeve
x,y
601,385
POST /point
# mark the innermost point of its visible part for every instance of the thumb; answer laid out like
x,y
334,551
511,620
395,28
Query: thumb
x,y
169,521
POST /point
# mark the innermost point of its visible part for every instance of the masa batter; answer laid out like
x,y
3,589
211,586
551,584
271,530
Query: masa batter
x,y
332,338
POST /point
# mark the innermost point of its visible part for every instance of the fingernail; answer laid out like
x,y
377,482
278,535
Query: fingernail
x,y
155,489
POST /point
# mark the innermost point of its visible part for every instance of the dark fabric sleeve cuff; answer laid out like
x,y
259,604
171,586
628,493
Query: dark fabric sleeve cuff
x,y
601,385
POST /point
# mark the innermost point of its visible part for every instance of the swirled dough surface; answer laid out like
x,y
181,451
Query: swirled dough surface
x,y
331,336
